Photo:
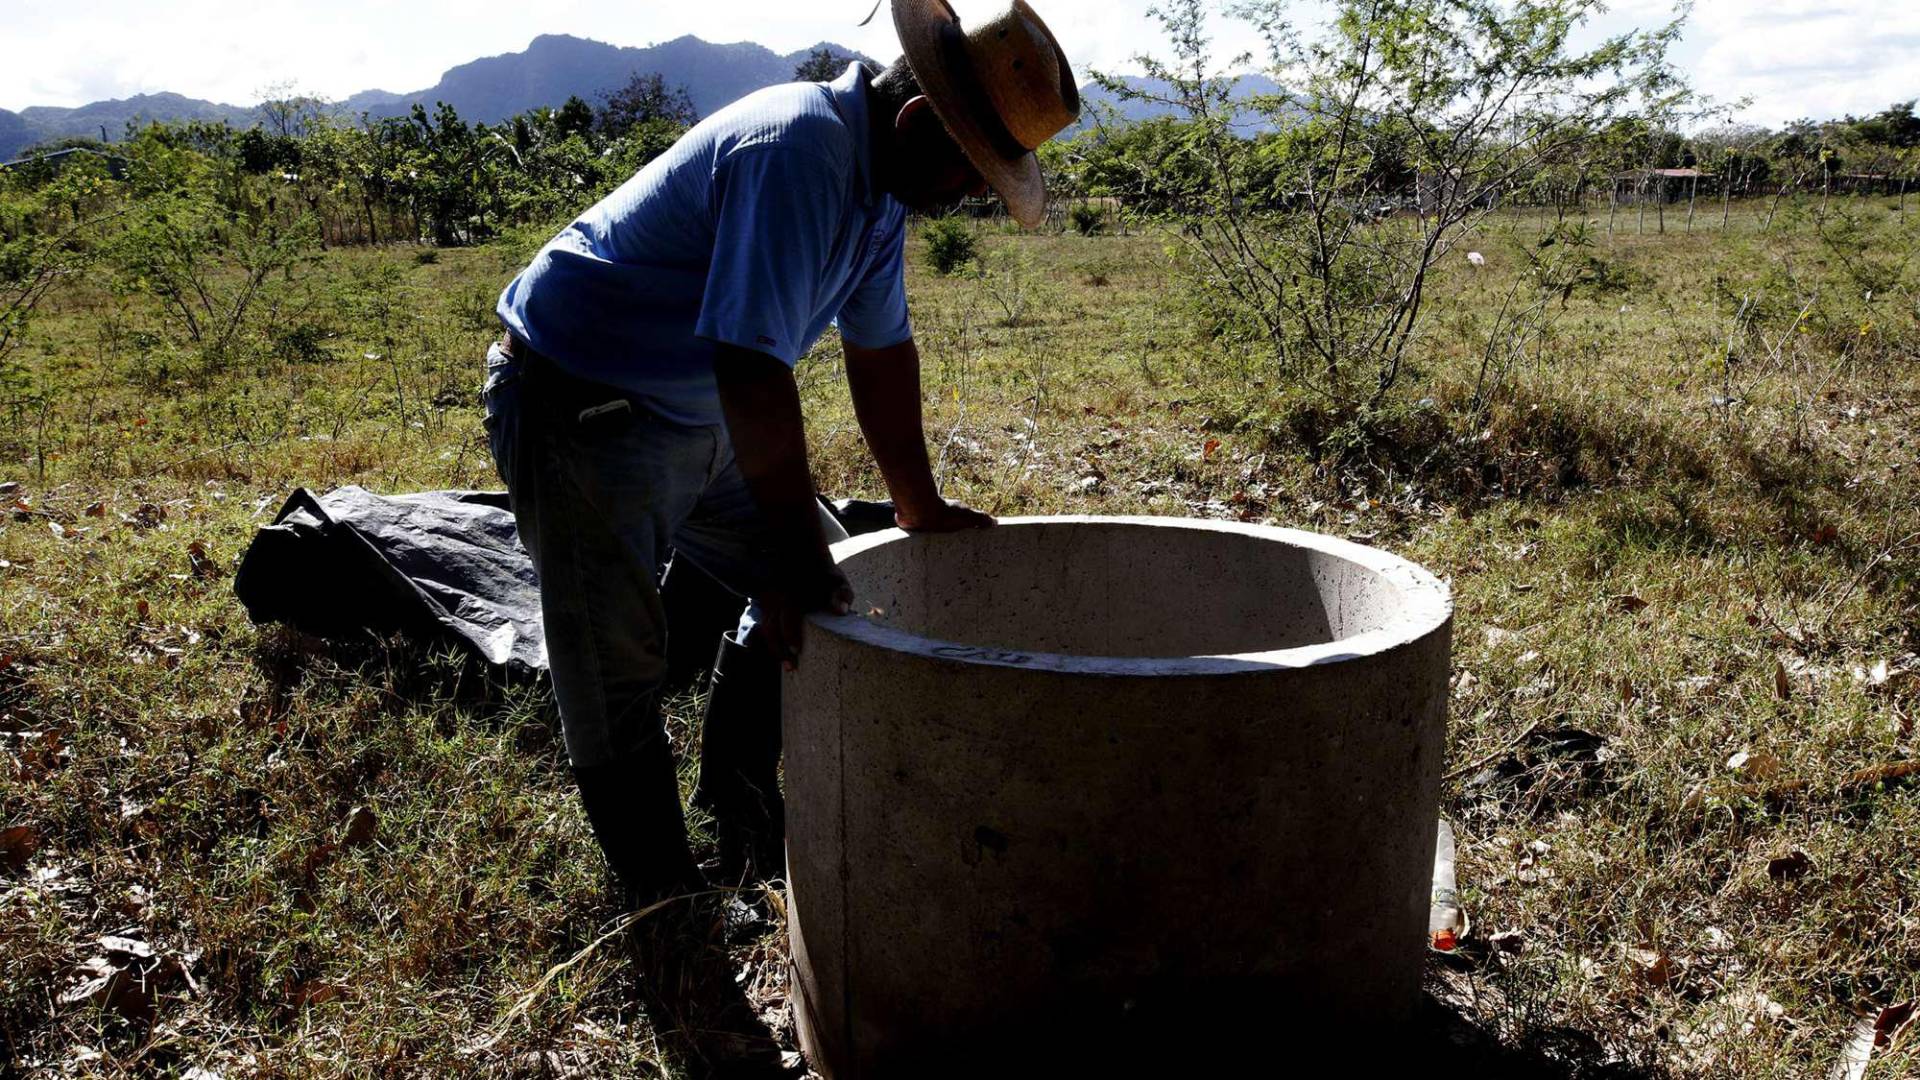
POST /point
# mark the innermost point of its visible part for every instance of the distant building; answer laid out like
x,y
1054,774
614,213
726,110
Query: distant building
x,y
1661,185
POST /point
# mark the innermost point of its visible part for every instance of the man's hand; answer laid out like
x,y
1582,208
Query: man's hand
x,y
940,516
784,608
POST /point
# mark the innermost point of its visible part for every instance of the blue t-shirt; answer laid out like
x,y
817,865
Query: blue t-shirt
x,y
759,228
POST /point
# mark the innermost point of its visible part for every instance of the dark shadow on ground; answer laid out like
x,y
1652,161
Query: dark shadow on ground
x,y
1454,1045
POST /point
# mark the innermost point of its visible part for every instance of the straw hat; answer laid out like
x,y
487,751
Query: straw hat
x,y
1001,90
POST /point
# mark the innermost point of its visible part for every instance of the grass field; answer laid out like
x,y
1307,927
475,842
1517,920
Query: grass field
x,y
1683,538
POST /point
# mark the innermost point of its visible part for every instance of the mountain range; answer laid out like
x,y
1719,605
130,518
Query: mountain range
x,y
548,71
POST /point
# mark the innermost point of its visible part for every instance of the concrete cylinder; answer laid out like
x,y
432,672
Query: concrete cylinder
x,y
1079,784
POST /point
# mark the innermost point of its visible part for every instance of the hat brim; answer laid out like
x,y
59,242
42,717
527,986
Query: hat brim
x,y
1017,181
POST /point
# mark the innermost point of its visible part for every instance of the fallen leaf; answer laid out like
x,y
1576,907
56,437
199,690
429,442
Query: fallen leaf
x,y
1653,966
56,529
128,979
146,516
9,488
17,845
1825,534
1629,603
1509,941
1782,685
141,608
1875,1031
1528,523
313,992
1207,449
1792,866
1874,775
359,827
1499,635
1755,765
130,948
198,561
97,509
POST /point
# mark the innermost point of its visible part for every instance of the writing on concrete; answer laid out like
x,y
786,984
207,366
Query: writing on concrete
x,y
974,652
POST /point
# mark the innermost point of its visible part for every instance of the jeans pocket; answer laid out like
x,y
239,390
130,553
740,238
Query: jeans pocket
x,y
501,400
501,370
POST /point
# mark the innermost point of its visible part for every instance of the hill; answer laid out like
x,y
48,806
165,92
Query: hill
x,y
550,69
41,123
556,66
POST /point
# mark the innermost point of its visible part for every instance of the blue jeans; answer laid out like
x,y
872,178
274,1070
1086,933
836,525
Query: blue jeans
x,y
603,492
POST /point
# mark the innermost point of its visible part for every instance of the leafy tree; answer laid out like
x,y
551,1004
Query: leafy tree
x,y
49,231
645,98
292,115
573,118
1895,126
1284,239
822,65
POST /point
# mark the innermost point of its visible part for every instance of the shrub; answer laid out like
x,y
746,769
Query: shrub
x,y
951,245
1086,219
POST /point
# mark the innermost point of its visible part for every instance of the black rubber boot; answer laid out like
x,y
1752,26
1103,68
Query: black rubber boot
x,y
634,809
692,1001
740,764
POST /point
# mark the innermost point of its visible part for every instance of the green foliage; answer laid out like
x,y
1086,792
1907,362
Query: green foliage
x,y
49,231
1291,241
645,99
821,65
1087,219
952,245
429,176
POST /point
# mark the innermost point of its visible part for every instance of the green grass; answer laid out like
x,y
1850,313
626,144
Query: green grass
x,y
180,768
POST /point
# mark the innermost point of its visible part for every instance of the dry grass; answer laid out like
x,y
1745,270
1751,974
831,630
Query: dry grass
x,y
1662,562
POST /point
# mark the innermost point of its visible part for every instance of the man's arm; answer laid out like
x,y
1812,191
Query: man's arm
x,y
761,405
885,384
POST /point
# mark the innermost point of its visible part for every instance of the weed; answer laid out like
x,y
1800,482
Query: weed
x,y
952,245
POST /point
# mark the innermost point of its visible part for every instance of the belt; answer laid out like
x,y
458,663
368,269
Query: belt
x,y
567,394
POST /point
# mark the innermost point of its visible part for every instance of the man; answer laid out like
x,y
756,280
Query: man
x,y
644,400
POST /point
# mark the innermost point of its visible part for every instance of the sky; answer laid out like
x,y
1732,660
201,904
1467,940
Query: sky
x,y
1792,58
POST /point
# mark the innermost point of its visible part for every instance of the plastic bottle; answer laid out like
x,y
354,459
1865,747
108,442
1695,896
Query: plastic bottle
x,y
1446,921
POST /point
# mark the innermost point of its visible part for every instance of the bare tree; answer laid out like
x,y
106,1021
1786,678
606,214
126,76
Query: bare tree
x,y
1298,242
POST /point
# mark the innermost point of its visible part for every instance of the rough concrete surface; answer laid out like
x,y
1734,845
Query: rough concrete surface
x,y
1145,785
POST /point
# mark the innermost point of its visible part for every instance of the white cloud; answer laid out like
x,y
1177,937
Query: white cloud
x,y
1793,57
1805,58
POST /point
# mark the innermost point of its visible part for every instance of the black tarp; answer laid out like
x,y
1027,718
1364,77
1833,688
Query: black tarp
x,y
431,564
448,564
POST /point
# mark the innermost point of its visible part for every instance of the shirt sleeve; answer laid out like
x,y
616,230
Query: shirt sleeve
x,y
775,219
875,316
